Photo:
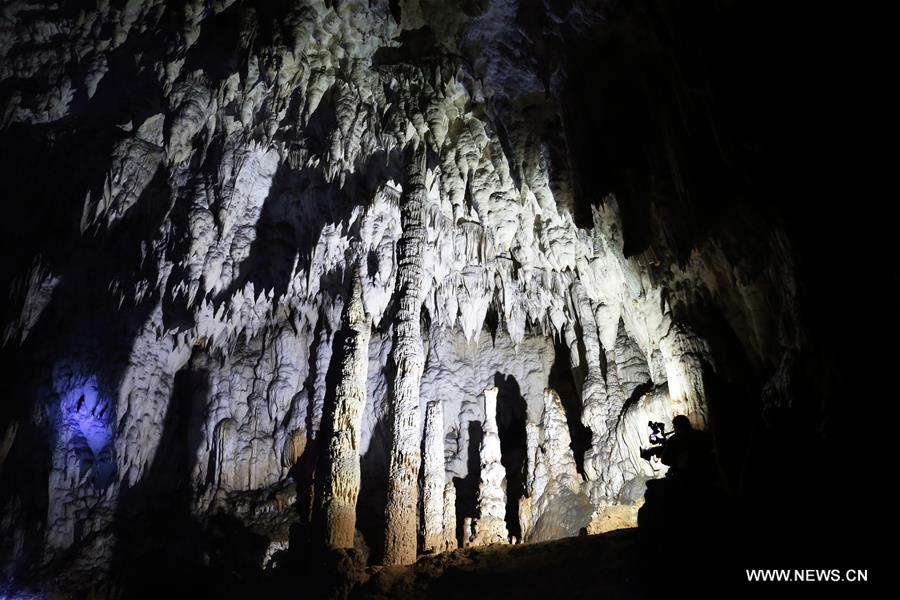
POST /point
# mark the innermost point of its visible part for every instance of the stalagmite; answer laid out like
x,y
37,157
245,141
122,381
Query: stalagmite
x,y
408,354
533,454
526,516
434,484
450,542
490,528
468,532
342,486
558,504
532,443
557,443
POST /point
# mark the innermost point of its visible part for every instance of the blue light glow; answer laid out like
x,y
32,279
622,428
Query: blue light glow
x,y
87,428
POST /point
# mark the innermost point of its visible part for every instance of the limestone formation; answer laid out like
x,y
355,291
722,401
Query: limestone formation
x,y
490,527
433,486
558,504
401,513
342,484
277,227
449,541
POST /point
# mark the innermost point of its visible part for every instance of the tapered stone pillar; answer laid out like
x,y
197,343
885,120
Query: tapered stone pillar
x,y
433,486
490,528
409,358
342,486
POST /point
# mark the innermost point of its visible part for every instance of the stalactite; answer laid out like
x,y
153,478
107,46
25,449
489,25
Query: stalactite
x,y
433,486
594,389
408,355
342,485
490,528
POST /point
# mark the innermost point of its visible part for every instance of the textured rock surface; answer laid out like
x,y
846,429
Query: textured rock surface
x,y
343,479
191,188
434,481
401,522
557,504
490,528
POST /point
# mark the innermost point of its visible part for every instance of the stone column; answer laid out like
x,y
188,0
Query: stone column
x,y
450,542
490,528
409,358
342,486
433,486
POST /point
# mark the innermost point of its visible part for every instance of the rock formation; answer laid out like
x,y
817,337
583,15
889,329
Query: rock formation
x,y
408,355
449,541
343,478
490,528
434,484
557,504
252,243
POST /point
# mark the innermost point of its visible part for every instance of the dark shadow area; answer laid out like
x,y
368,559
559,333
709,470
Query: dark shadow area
x,y
217,51
512,414
83,326
586,567
416,46
373,490
684,522
562,380
467,487
300,204
492,322
156,532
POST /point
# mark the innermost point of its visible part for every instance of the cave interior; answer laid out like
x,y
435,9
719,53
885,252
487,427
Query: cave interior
x,y
377,299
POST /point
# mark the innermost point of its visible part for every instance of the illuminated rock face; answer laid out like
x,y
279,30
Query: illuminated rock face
x,y
342,484
254,200
401,518
557,504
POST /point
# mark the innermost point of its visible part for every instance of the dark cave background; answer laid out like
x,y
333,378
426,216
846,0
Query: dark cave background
x,y
730,118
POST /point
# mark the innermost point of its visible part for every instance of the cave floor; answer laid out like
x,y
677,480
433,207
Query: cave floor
x,y
619,564
597,566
